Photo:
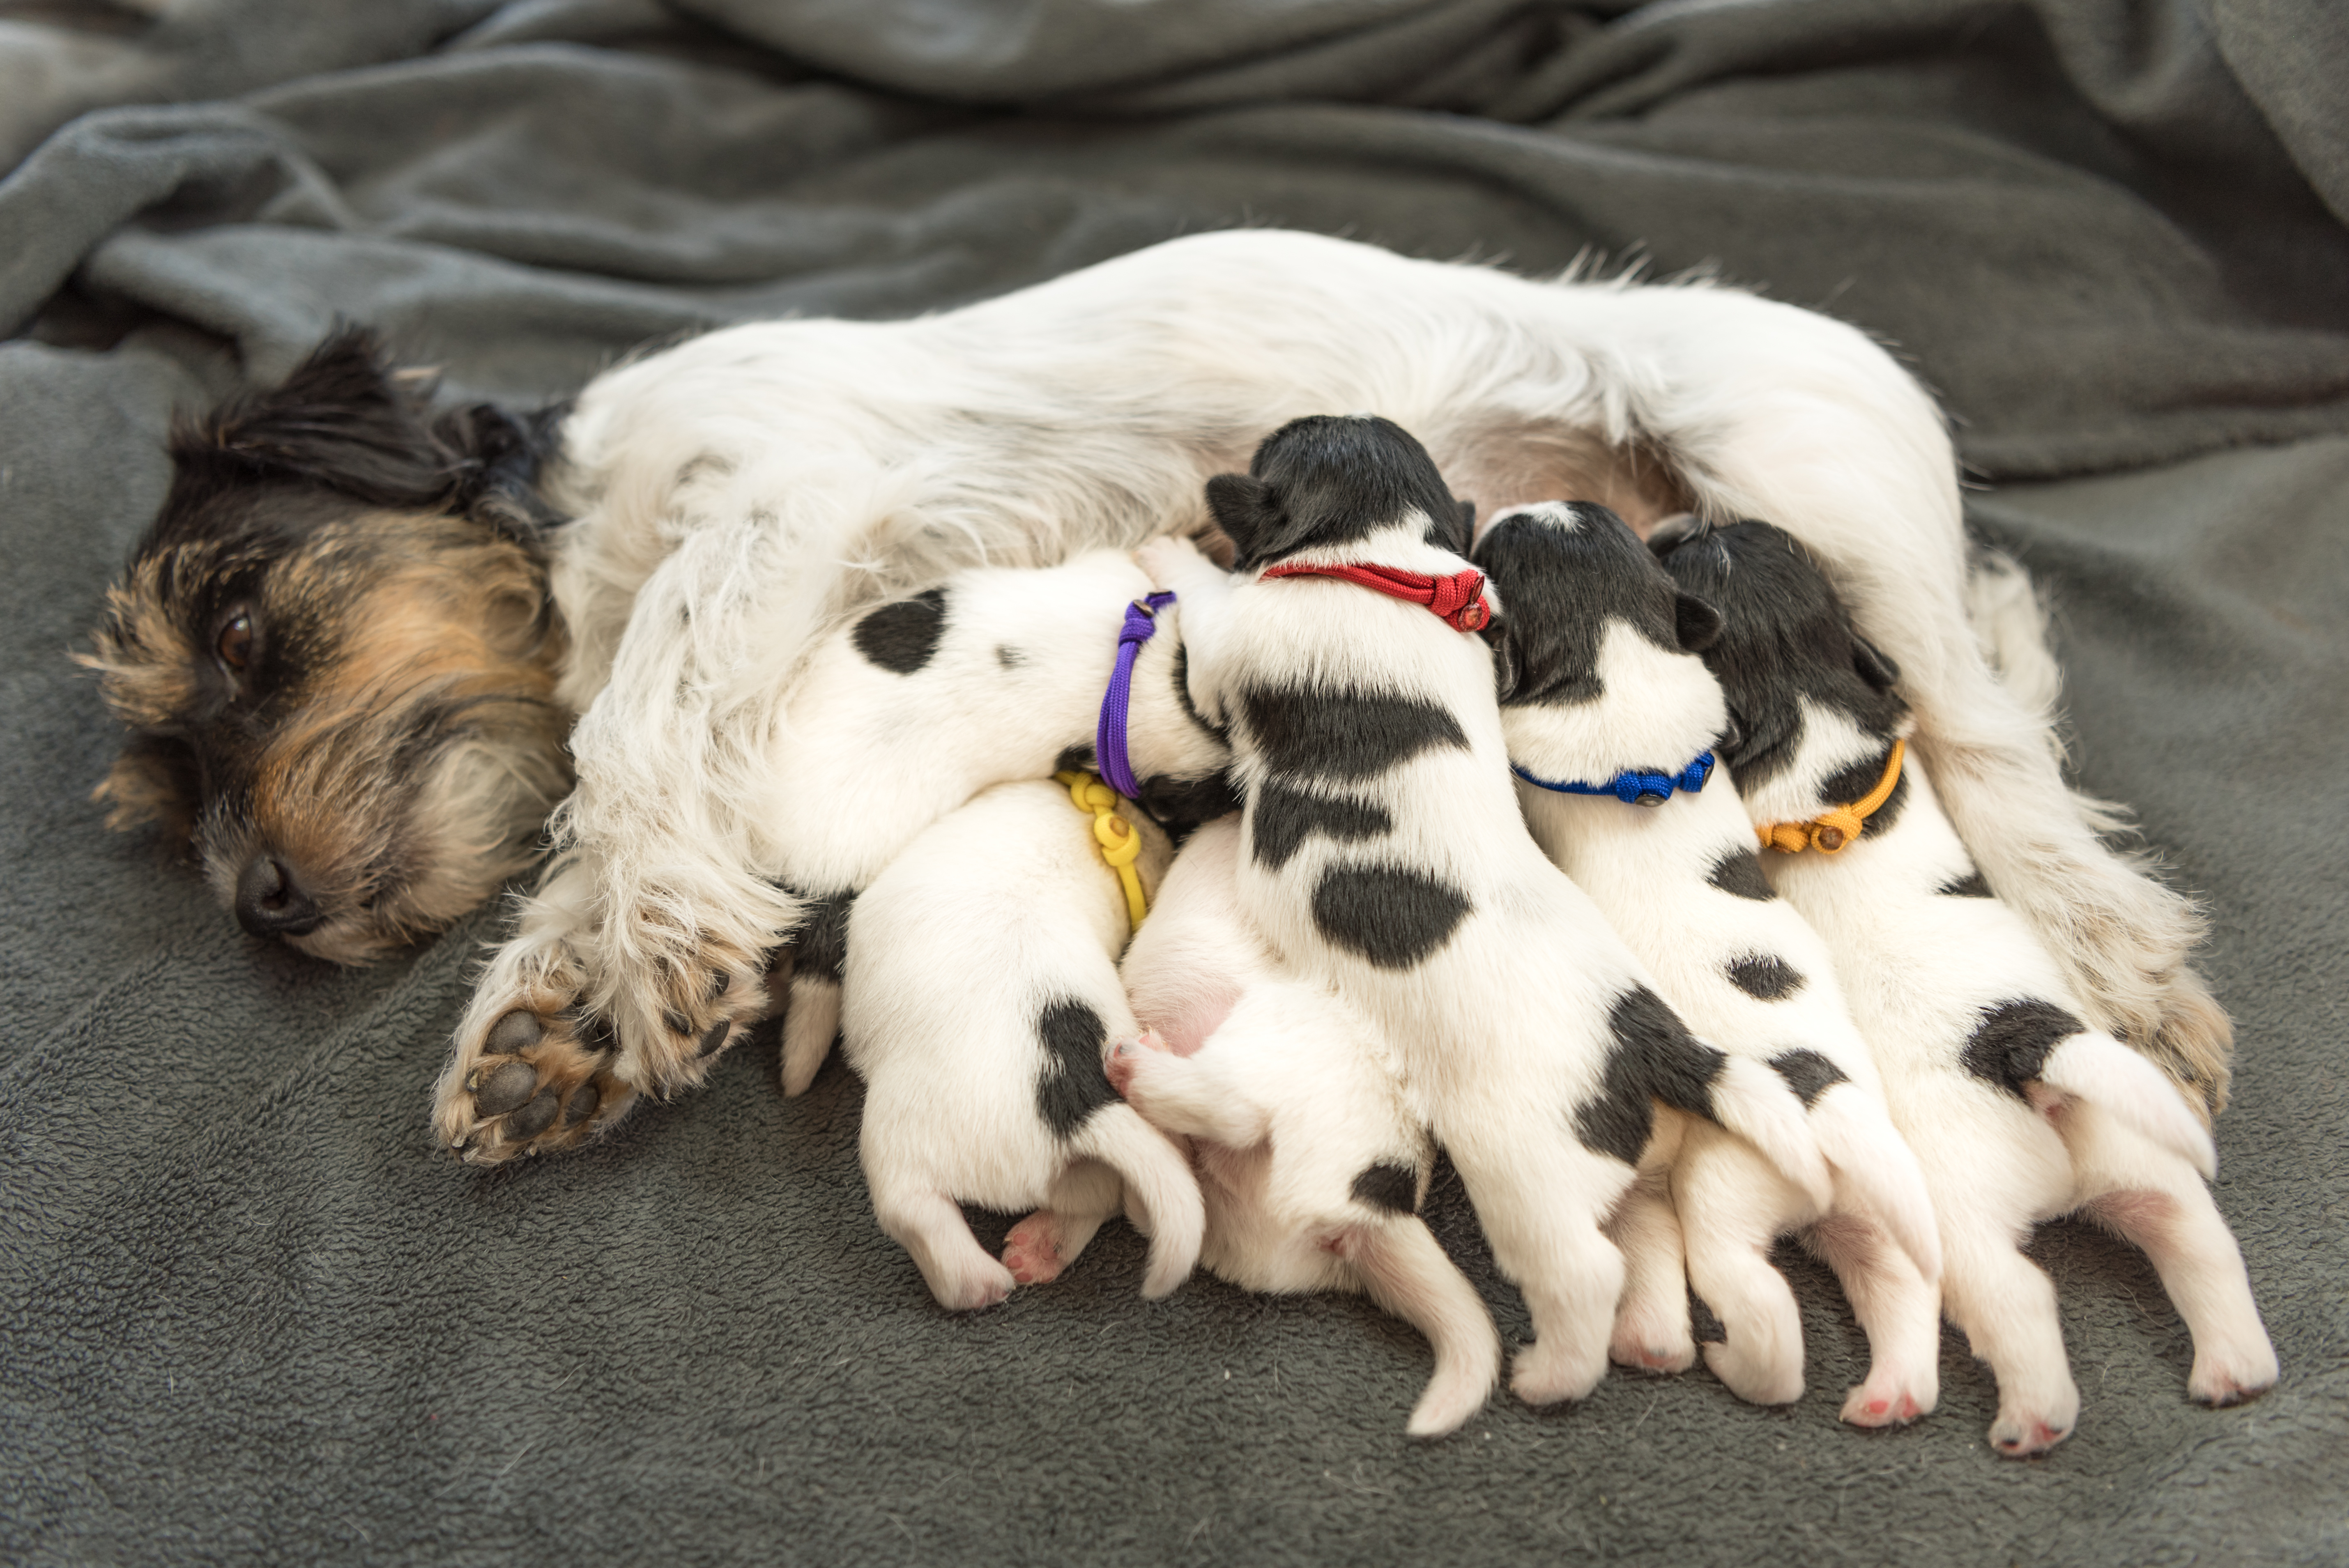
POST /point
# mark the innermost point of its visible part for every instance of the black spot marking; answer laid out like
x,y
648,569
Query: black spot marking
x,y
1070,1085
1858,781
1333,733
1077,759
1807,1073
902,637
1179,805
1392,916
1740,872
2010,1043
1764,977
511,1033
505,1088
1654,1057
1009,657
534,1118
1280,818
1973,885
820,946
1181,665
583,1104
1389,1186
715,1040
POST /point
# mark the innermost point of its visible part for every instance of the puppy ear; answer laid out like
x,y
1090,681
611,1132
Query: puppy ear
x,y
1466,532
1675,530
1508,668
493,460
1695,623
1874,667
1244,508
1731,736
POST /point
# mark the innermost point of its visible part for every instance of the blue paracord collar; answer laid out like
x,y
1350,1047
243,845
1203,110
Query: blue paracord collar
x,y
1633,788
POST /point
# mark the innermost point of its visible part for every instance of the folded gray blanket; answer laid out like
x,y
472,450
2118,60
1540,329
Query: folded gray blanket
x,y
247,1311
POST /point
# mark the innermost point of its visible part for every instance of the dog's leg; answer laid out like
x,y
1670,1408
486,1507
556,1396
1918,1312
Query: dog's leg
x,y
1047,1241
1729,1204
930,1227
1651,1323
1185,1095
1900,1312
532,1072
2006,1306
2179,1228
811,1020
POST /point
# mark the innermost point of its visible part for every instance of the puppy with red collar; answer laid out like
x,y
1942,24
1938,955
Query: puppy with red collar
x,y
2018,1109
1612,720
1311,1166
1386,856
979,995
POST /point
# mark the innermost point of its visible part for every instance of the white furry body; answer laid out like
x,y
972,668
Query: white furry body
x,y
1286,1090
739,493
1504,1028
990,917
2101,1133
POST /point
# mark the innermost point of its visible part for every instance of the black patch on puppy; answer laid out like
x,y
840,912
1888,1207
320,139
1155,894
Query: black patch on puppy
x,y
1077,759
2012,1043
1764,977
1329,479
1859,780
1179,805
820,946
1394,916
1222,735
1973,885
1654,1057
1784,636
1282,817
1740,872
1389,1186
1807,1073
1344,734
1070,1085
901,637
1562,583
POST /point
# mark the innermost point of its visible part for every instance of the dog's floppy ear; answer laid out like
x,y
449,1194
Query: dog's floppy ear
x,y
1873,665
1695,623
493,460
1456,539
1508,668
1674,531
1244,508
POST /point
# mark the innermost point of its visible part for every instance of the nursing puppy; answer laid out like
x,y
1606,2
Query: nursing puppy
x,y
1311,1166
896,719
1612,720
1386,856
979,995
2018,1111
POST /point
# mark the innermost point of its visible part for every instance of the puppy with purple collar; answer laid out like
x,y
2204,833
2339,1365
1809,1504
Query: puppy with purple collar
x,y
1612,720
979,995
894,720
1312,1165
2018,1109
1385,857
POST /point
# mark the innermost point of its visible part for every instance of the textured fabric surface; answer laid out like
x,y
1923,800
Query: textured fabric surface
x,y
248,1313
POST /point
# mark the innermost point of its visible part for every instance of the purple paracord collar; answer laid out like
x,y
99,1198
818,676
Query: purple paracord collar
x,y
1109,740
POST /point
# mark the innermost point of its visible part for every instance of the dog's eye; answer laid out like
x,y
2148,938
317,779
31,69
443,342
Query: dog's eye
x,y
235,644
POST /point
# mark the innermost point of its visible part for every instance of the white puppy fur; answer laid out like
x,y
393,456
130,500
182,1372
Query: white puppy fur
x,y
2018,1111
1311,1166
1601,677
979,995
1386,858
739,494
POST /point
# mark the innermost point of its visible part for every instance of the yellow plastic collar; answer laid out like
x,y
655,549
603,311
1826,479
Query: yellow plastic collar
x,y
1115,837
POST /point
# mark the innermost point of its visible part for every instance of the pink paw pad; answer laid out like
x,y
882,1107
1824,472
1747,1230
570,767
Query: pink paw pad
x,y
1032,1251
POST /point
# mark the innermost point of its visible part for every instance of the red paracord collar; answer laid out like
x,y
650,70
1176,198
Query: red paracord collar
x,y
1457,598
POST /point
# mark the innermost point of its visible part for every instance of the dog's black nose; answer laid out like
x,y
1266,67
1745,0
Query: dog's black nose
x,y
271,902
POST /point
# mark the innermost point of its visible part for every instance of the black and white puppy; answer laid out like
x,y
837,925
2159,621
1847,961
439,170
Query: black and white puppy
x,y
980,993
1386,857
896,719
2018,1109
1612,722
1312,1165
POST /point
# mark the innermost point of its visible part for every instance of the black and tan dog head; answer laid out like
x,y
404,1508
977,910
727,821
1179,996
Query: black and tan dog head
x,y
336,653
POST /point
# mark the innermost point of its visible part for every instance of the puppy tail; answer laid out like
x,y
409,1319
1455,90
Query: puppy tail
x,y
1158,1178
1877,1164
1408,1272
2098,1068
1756,1104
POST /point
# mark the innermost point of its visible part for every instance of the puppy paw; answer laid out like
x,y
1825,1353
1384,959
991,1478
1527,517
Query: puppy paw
x,y
1644,1348
2025,1426
1889,1399
1032,1252
1753,1380
1544,1374
1128,1058
537,1079
2231,1376
1167,558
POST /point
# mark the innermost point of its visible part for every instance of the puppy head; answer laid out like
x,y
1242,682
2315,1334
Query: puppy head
x,y
335,653
1596,655
1785,641
1329,480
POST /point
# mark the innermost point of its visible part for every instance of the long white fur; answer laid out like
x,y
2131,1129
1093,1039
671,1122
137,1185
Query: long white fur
x,y
953,952
1287,1092
1506,1026
740,492
1648,870
2104,1133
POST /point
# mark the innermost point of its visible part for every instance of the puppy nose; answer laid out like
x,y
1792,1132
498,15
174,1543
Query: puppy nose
x,y
271,902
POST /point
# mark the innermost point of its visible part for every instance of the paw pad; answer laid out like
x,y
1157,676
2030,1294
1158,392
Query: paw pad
x,y
505,1089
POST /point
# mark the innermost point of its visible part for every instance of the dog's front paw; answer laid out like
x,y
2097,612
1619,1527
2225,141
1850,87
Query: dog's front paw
x,y
2027,1427
1128,1060
1892,1397
682,968
1167,558
537,1079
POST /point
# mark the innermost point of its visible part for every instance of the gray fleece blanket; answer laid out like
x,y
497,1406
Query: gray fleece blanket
x,y
248,1313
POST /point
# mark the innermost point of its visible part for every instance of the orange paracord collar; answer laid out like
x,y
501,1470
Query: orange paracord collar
x,y
1830,830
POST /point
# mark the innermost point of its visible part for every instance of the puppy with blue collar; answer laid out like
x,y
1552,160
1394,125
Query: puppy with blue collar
x,y
1612,720
1312,1165
2018,1108
980,996
1385,857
